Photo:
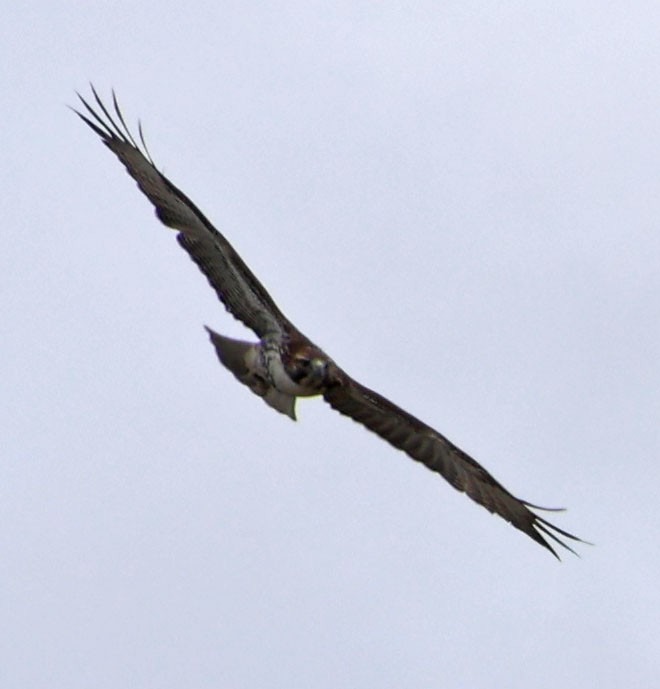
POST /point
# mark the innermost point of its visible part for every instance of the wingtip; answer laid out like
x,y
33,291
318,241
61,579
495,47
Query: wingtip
x,y
543,529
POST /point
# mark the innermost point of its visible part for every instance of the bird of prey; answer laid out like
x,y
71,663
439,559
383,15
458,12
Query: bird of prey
x,y
284,364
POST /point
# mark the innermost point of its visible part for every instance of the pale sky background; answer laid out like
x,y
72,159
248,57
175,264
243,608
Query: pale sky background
x,y
460,202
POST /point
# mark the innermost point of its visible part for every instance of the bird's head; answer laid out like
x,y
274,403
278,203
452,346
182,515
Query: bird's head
x,y
308,370
306,365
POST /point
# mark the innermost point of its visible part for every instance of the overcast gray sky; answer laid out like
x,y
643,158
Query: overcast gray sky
x,y
459,202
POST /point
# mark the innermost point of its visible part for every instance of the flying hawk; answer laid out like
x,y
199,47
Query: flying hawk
x,y
284,364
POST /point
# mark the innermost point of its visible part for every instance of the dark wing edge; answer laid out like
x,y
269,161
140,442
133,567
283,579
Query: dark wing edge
x,y
234,283
425,445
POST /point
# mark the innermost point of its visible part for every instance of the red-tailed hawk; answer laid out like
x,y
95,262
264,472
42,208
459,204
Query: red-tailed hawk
x,y
284,364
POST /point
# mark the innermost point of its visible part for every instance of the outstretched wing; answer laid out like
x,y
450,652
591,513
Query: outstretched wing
x,y
235,284
427,446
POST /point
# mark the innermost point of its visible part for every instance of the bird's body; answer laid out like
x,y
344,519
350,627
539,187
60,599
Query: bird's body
x,y
284,364
273,371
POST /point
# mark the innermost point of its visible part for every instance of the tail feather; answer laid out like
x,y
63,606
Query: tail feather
x,y
243,360
234,354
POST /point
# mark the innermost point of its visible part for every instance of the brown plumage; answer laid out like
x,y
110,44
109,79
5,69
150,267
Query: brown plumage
x,y
284,364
